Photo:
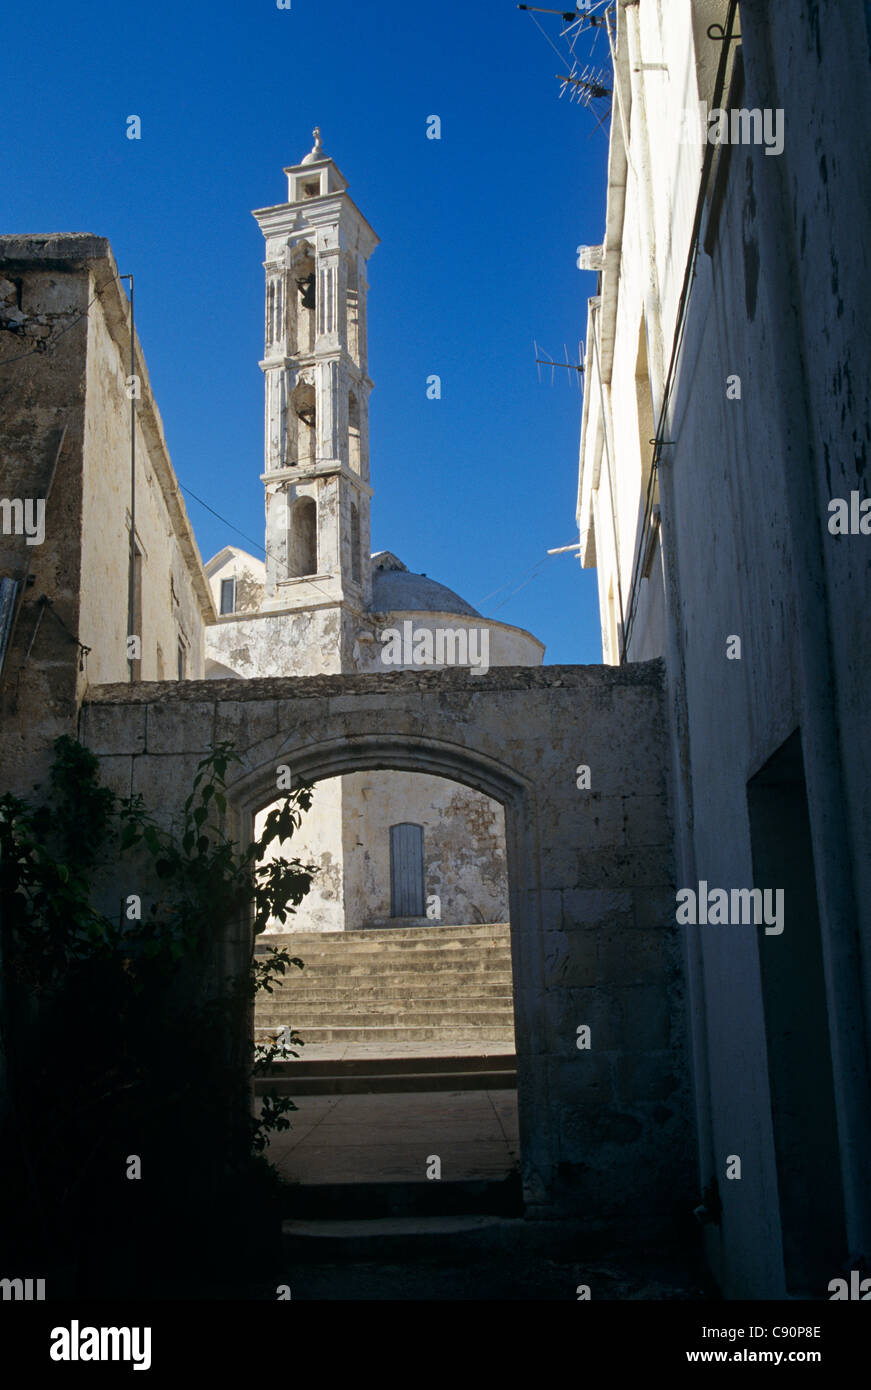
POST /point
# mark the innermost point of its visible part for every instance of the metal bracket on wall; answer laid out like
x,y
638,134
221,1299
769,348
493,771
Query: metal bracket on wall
x,y
717,33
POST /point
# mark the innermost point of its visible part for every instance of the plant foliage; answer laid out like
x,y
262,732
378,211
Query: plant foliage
x,y
125,1035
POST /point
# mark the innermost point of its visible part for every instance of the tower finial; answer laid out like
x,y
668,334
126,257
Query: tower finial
x,y
317,150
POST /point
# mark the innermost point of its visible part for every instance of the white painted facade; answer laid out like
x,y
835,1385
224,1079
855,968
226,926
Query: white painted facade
x,y
762,428
172,596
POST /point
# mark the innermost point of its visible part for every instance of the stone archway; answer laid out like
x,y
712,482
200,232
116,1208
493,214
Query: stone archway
x,y
604,1128
392,751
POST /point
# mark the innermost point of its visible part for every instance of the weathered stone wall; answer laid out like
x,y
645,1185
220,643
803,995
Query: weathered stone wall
x,y
308,642
323,639
44,391
346,835
318,841
248,572
603,1130
71,297
463,844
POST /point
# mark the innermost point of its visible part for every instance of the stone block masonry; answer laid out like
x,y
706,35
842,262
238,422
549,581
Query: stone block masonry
x,y
604,1129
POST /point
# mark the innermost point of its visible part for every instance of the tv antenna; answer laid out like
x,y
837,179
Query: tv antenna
x,y
547,361
586,86
584,83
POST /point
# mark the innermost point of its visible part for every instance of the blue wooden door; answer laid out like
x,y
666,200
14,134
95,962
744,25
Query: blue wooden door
x,y
407,893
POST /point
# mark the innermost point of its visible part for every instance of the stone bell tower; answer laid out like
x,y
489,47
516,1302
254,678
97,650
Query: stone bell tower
x,y
317,392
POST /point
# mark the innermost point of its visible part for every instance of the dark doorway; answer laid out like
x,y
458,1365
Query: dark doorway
x,y
797,1028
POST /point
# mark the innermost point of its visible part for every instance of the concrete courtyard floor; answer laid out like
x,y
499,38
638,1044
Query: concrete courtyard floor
x,y
509,1275
391,1137
345,1140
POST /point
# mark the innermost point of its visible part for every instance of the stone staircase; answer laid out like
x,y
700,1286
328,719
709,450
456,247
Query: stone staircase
x,y
319,1076
437,986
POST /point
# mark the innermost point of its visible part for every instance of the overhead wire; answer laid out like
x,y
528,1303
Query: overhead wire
x,y
509,582
526,577
561,56
516,591
270,554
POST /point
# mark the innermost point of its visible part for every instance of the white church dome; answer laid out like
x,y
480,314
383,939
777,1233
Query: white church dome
x,y
396,590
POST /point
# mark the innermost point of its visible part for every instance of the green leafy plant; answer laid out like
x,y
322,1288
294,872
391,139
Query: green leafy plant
x,y
123,1036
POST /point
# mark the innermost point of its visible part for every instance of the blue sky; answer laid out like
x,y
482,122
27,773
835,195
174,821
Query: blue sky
x,y
477,256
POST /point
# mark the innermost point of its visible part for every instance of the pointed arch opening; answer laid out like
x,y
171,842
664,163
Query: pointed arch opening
x,y
302,538
304,416
303,271
270,314
354,455
353,303
355,543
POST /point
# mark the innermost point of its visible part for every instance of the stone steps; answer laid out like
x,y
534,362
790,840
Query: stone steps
x,y
479,986
406,951
377,1075
322,947
409,1064
392,1012
378,1200
397,1237
401,985
432,1033
484,931
431,968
